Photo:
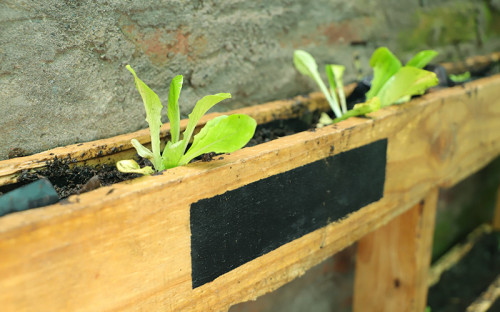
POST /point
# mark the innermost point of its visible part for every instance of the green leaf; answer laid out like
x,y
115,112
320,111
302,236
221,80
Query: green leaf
x,y
422,58
369,106
142,150
335,75
460,77
130,166
201,107
384,65
408,81
324,120
172,154
306,65
223,134
173,107
153,108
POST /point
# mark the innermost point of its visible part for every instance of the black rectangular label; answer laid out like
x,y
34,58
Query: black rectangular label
x,y
238,226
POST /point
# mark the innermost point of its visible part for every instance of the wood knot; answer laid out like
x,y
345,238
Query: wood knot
x,y
443,145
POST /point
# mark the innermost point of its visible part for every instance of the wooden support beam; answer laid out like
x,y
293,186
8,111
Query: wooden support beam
x,y
393,262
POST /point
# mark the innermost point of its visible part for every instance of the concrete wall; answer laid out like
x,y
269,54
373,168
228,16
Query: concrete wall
x,y
62,63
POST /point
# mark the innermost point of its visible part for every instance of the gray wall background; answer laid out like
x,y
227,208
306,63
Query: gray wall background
x,y
62,63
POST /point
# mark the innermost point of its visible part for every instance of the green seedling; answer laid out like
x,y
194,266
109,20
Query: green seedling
x,y
422,58
460,78
335,75
392,82
395,84
223,134
306,65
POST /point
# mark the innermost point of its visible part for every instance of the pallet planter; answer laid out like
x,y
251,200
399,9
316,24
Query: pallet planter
x,y
208,235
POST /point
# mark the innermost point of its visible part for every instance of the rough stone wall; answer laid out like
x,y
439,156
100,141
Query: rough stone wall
x,y
62,63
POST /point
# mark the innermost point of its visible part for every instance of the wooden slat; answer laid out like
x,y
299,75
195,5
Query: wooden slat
x,y
392,262
126,247
473,63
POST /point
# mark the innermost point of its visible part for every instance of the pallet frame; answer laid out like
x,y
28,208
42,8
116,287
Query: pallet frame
x,y
126,247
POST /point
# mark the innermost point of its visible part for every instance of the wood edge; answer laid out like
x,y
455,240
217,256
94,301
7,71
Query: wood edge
x,y
471,63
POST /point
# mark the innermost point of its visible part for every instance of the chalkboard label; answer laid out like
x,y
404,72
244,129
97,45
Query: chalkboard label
x,y
238,226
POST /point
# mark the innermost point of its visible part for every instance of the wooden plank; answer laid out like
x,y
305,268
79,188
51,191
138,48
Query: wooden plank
x,y
473,63
392,262
126,247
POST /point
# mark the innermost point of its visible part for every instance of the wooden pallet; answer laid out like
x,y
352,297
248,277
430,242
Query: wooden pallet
x,y
129,246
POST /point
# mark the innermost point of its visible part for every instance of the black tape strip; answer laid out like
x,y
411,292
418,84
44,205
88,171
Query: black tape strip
x,y
238,226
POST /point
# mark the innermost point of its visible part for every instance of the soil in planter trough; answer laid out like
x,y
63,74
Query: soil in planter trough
x,y
68,180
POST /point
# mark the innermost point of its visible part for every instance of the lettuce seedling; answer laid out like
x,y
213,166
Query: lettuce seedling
x,y
460,78
394,83
223,134
335,73
306,65
422,58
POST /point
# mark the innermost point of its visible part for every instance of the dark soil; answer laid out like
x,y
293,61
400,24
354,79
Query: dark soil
x,y
280,128
69,180
464,282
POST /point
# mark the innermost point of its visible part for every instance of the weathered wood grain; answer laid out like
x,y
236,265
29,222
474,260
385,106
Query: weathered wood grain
x,y
126,247
393,261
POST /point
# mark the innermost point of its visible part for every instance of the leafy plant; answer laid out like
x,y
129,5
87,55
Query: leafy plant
x,y
392,82
223,134
306,65
460,78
